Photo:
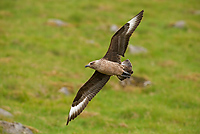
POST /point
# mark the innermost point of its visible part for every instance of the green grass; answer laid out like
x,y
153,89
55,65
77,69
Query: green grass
x,y
37,59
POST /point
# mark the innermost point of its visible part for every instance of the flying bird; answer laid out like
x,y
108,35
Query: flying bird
x,y
106,67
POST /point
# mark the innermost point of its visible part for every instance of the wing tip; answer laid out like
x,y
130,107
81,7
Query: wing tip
x,y
75,112
134,22
68,120
140,14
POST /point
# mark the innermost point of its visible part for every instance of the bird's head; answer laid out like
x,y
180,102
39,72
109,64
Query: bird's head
x,y
93,64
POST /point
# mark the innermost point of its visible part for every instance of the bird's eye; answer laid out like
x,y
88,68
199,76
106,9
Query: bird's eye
x,y
91,63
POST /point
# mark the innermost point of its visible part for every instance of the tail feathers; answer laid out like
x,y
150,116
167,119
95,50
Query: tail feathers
x,y
127,70
124,75
121,77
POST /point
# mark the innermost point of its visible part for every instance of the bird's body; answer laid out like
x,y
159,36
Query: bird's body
x,y
106,67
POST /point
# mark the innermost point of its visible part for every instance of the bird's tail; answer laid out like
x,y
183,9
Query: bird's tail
x,y
127,70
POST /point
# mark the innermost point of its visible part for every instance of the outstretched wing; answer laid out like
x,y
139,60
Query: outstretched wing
x,y
120,39
86,93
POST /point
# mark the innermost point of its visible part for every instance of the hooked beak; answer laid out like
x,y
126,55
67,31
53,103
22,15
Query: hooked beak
x,y
87,66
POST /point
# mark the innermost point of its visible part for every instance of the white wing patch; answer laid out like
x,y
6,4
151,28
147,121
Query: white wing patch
x,y
132,22
74,110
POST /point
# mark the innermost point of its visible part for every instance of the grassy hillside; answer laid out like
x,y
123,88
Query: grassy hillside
x,y
37,59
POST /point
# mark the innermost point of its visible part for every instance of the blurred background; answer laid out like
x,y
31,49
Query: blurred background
x,y
44,46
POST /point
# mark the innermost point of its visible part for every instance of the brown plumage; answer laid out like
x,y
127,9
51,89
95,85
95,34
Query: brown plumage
x,y
107,66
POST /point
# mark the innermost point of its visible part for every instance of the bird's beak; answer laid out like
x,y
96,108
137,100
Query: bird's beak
x,y
87,66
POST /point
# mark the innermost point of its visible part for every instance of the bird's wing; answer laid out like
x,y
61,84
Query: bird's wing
x,y
120,39
86,93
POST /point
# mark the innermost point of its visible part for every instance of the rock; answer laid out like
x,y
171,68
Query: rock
x,y
135,81
137,49
179,24
146,83
5,113
196,12
113,28
56,22
65,91
14,128
90,41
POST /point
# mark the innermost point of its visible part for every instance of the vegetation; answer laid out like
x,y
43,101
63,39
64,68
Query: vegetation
x,y
37,59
